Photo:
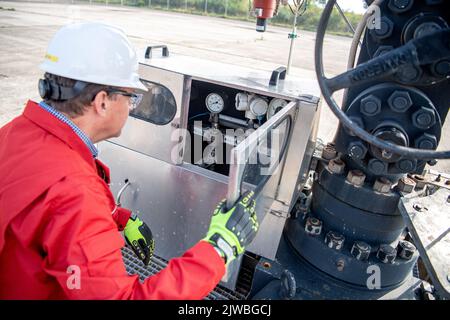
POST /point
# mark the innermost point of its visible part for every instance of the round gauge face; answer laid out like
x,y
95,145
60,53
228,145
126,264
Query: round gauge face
x,y
274,106
214,102
258,106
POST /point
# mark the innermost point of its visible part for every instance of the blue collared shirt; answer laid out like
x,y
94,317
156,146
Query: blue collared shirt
x,y
72,125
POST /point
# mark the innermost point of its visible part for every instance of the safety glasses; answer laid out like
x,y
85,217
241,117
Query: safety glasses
x,y
135,98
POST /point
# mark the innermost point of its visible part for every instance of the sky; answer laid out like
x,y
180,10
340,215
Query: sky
x,y
352,5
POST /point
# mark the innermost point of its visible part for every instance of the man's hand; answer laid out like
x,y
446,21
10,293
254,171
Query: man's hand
x,y
140,238
231,230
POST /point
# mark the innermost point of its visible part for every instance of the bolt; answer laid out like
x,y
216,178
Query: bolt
x,y
386,253
385,30
267,265
400,6
438,178
419,207
447,183
313,226
406,185
409,73
432,162
400,101
336,166
370,105
356,177
382,185
406,249
420,181
334,240
426,141
340,264
441,68
378,167
424,118
406,165
357,150
360,250
329,152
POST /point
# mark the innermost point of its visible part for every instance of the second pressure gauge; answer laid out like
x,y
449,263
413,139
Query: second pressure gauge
x,y
214,102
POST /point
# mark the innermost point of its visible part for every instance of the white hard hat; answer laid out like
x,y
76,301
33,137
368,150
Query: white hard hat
x,y
93,52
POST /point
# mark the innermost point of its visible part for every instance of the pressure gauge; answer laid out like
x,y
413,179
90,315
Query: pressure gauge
x,y
275,105
258,106
214,102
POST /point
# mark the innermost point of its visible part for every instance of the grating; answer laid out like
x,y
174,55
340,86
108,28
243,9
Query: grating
x,y
135,266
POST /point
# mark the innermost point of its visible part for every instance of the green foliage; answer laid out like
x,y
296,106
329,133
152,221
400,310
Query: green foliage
x,y
239,9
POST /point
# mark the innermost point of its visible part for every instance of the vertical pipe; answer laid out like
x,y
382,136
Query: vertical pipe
x,y
292,35
206,6
226,7
185,5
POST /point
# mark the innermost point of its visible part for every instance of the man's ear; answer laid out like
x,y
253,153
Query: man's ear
x,y
100,103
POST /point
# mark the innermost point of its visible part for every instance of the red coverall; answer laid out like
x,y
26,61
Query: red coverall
x,y
55,212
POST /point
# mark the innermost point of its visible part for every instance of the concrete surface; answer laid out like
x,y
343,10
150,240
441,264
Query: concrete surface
x,y
26,30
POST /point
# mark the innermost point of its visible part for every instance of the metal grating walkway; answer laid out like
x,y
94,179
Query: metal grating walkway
x,y
135,266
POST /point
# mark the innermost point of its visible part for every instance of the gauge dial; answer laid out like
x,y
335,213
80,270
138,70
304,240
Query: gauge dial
x,y
274,106
258,106
214,102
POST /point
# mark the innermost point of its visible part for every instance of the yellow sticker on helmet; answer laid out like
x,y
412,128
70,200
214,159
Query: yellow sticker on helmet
x,y
52,58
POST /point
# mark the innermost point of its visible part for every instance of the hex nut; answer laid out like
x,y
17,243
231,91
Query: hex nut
x,y
336,166
334,240
385,30
329,152
361,250
378,167
357,150
420,181
406,250
370,105
356,177
386,253
406,185
426,141
406,165
424,118
400,6
382,185
400,101
313,226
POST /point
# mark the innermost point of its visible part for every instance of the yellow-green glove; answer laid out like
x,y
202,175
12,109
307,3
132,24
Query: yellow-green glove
x,y
140,238
231,230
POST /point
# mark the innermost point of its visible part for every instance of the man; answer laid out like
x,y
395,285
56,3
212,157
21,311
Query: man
x,y
59,222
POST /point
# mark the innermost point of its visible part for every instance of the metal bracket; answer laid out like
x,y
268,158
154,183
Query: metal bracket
x,y
428,220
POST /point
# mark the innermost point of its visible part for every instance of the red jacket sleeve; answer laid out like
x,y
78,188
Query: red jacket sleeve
x,y
81,240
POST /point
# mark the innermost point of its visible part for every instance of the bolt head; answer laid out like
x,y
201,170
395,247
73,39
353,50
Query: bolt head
x,y
357,150
356,177
406,165
424,118
400,6
406,250
382,185
336,166
378,167
441,68
400,101
406,185
334,240
313,226
329,152
361,250
386,253
426,141
370,106
385,30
